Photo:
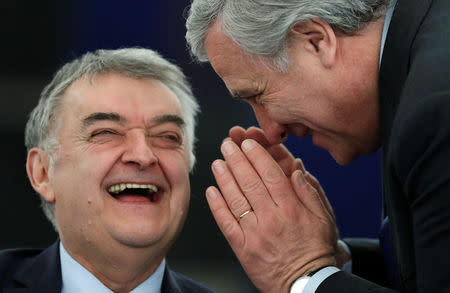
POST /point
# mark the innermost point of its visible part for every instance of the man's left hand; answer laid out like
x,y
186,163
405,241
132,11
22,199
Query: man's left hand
x,y
290,229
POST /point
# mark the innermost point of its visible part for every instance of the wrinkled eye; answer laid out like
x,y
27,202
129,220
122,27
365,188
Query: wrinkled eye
x,y
167,140
104,131
103,135
256,99
171,137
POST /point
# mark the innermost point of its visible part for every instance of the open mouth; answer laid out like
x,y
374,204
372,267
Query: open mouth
x,y
132,192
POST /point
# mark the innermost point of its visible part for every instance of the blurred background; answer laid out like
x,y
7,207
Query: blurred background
x,y
39,36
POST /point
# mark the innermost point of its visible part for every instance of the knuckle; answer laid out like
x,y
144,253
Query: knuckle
x,y
238,204
228,230
251,184
231,233
273,175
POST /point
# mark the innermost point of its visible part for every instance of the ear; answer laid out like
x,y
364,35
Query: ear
x,y
38,163
318,38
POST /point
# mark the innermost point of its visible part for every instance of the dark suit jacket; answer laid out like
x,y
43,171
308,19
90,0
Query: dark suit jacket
x,y
39,271
415,123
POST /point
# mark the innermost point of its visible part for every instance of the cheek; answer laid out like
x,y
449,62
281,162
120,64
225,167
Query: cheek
x,y
175,165
176,171
79,175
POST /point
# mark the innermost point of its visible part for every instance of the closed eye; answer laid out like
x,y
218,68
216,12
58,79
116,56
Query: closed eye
x,y
257,99
103,131
174,138
167,139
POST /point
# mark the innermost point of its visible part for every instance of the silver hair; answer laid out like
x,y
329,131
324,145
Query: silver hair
x,y
139,63
261,27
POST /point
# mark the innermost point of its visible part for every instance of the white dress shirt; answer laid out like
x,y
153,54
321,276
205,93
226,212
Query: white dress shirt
x,y
76,279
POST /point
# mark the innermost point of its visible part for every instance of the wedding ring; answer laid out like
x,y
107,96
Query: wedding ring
x,y
244,214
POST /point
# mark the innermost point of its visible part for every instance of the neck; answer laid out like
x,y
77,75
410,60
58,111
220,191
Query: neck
x,y
121,271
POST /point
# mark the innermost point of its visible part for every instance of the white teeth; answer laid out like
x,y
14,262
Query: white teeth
x,y
122,186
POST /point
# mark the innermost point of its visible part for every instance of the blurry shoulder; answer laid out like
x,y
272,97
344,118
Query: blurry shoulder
x,y
176,282
13,260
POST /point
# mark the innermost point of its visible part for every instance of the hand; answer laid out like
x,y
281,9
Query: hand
x,y
290,230
279,152
288,163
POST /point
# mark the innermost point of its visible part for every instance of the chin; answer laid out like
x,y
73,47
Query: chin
x,y
145,236
344,158
140,241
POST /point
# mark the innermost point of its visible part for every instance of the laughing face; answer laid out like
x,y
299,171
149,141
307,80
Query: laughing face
x,y
120,179
329,90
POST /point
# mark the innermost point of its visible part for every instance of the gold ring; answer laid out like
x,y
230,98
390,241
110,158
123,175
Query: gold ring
x,y
244,214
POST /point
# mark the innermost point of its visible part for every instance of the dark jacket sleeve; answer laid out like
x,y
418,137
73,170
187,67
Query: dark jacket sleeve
x,y
367,260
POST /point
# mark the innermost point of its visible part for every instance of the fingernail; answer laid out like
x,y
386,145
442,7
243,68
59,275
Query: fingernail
x,y
218,167
248,144
211,193
228,147
301,179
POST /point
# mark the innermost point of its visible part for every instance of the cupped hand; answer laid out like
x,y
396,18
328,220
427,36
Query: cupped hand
x,y
290,229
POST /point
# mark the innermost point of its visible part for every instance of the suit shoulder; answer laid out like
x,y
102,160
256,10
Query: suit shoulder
x,y
11,260
187,285
421,130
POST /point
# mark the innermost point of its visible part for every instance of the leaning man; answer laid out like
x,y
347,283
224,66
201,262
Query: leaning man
x,y
110,147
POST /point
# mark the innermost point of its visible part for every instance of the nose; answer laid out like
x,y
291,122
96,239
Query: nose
x,y
138,150
275,132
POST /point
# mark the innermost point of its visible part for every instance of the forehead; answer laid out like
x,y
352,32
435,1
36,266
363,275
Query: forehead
x,y
237,69
132,98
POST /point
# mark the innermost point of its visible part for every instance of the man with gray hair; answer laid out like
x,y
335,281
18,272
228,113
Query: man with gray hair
x,y
110,147
356,76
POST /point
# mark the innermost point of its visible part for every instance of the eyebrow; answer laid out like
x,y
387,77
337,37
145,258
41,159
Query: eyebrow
x,y
102,116
115,117
168,118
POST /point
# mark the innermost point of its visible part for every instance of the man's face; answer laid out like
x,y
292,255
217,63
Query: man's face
x,y
121,175
337,105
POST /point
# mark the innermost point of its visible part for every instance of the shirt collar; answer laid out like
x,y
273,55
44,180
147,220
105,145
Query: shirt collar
x,y
75,278
387,22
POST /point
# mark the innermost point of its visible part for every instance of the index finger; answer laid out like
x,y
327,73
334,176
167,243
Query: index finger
x,y
273,177
247,178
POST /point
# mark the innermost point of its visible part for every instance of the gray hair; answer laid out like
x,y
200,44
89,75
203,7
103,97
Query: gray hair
x,y
261,27
137,63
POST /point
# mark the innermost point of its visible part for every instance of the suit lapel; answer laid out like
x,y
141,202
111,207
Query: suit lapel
x,y
41,273
169,284
405,23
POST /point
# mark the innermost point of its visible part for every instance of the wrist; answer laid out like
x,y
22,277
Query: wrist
x,y
312,266
299,285
310,283
343,254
